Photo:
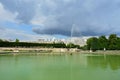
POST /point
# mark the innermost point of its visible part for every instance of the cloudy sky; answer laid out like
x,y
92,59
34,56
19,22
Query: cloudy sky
x,y
33,19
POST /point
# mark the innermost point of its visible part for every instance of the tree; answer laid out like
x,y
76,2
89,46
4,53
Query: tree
x,y
17,40
118,43
93,44
71,45
89,43
113,42
1,40
103,42
85,47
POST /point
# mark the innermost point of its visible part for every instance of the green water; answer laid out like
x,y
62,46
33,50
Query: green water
x,y
65,67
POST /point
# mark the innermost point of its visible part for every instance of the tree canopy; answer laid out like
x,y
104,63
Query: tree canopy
x,y
42,45
100,43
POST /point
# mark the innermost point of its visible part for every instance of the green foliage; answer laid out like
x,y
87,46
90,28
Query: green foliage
x,y
112,43
17,40
103,42
77,46
93,43
118,43
26,44
1,40
42,45
84,47
89,43
71,45
113,40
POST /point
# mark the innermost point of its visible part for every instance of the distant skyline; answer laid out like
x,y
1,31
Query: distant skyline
x,y
33,19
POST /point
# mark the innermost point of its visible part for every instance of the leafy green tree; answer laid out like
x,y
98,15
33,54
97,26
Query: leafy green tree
x,y
112,43
85,47
71,45
93,44
89,43
113,40
77,46
1,40
103,42
118,43
17,40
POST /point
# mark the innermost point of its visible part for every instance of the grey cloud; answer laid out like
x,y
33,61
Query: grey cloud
x,y
91,17
52,31
25,9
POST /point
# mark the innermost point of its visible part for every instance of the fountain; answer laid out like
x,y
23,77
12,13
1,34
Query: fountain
x,y
76,40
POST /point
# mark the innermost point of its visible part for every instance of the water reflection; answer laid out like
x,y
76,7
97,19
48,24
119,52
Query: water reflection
x,y
65,67
104,61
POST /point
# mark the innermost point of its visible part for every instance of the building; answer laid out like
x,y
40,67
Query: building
x,y
75,40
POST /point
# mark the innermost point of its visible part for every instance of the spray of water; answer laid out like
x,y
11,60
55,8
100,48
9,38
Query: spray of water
x,y
78,40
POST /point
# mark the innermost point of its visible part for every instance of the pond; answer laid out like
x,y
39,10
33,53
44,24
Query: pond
x,y
60,67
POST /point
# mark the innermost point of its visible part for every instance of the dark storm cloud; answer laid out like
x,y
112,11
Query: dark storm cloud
x,y
90,17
